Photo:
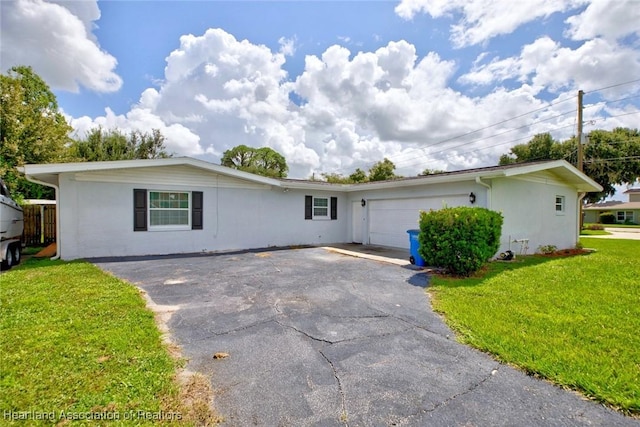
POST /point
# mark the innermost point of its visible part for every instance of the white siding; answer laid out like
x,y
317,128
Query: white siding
x,y
97,220
529,212
390,213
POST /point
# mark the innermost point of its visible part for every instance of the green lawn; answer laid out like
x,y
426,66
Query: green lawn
x,y
75,339
594,233
574,320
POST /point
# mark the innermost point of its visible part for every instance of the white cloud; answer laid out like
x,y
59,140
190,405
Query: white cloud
x,y
56,40
611,19
481,20
356,109
546,64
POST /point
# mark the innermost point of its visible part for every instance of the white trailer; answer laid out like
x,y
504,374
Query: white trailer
x,y
11,227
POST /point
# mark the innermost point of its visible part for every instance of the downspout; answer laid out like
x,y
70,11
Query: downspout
x,y
488,187
57,192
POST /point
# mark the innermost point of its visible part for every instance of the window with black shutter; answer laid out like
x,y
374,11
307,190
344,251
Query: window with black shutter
x,y
308,207
334,208
196,210
139,210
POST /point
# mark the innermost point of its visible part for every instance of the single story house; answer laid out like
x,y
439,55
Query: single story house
x,y
185,205
623,211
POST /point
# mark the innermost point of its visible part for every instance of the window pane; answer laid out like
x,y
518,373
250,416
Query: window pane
x,y
324,202
168,208
320,212
169,217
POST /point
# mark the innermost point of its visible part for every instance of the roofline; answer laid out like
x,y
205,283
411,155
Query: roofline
x,y
587,184
58,168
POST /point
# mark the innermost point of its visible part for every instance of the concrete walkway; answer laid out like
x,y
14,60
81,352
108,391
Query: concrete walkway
x,y
620,233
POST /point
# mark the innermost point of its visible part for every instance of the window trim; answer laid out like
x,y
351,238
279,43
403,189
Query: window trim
x,y
327,207
309,208
169,227
560,204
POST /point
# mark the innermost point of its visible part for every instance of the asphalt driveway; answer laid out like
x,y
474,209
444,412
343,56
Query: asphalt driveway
x,y
320,338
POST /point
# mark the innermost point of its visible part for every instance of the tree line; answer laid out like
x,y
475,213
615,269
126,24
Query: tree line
x,y
32,130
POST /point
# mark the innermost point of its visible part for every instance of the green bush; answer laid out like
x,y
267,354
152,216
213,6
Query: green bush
x,y
607,218
459,239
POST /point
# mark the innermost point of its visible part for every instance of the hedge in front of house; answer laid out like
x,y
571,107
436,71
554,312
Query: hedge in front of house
x,y
460,239
607,218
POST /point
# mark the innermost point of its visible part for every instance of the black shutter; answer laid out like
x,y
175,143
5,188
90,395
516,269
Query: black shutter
x,y
139,210
196,210
308,207
334,208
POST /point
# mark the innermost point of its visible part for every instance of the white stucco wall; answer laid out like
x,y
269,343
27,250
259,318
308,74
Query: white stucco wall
x,y
96,212
528,208
96,218
412,200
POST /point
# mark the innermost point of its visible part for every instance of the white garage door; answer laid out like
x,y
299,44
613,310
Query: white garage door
x,y
390,219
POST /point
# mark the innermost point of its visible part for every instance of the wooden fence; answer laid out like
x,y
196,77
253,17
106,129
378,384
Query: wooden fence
x,y
39,225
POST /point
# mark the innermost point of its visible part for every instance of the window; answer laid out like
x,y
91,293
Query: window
x,y
559,205
622,216
167,210
320,207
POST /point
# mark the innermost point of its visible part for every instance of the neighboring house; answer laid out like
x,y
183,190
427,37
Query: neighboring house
x,y
623,211
184,205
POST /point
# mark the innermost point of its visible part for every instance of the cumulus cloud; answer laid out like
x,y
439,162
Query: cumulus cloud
x,y
56,39
546,64
609,19
482,20
352,110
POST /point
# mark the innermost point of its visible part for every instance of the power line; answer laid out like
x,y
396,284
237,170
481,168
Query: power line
x,y
614,85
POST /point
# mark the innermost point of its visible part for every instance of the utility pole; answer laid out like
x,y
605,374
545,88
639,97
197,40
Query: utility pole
x,y
580,148
580,155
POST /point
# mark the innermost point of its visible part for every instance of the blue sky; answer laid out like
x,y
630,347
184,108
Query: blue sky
x,y
335,85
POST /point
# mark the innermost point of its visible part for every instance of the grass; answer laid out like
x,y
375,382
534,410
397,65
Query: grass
x,y
594,233
75,339
573,320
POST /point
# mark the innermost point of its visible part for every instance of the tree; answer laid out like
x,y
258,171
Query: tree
x,y
358,176
382,171
428,171
336,178
261,161
610,157
100,145
32,130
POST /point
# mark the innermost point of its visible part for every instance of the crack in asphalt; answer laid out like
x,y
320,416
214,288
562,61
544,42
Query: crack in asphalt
x,y
241,328
303,332
343,412
468,390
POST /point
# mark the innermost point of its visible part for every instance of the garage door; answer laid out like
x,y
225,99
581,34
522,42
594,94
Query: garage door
x,y
390,219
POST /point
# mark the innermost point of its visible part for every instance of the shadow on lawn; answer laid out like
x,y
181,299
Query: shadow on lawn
x,y
492,269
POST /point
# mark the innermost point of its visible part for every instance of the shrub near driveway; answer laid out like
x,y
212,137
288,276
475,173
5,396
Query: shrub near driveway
x,y
573,320
459,239
75,339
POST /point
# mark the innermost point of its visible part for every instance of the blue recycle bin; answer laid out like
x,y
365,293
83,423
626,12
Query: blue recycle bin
x,y
414,244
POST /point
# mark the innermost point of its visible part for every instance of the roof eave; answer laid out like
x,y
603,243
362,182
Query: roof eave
x,y
40,171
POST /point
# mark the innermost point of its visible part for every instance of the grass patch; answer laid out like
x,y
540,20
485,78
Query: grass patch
x,y
573,320
32,250
594,233
75,339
